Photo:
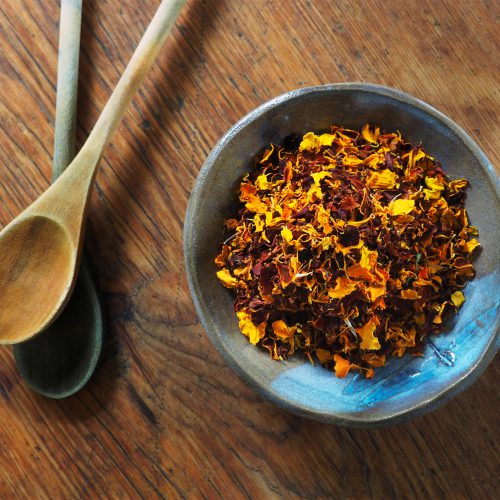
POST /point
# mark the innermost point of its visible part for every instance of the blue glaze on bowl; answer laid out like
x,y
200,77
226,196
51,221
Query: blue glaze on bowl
x,y
405,387
404,382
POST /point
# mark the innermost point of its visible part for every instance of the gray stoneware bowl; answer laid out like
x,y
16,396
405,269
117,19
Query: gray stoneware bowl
x,y
405,387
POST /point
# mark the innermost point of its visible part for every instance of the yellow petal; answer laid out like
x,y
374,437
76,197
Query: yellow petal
x,y
259,223
374,160
369,134
351,161
313,142
286,234
471,245
254,333
434,183
457,298
267,154
413,157
401,207
314,194
227,280
385,179
282,330
309,142
431,194
262,183
368,258
326,139
343,287
368,341
269,218
317,176
457,185
323,216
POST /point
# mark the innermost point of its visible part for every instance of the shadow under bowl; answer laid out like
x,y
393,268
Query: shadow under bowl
x,y
405,387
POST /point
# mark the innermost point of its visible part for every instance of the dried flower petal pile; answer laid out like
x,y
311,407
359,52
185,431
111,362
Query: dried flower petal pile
x,y
349,246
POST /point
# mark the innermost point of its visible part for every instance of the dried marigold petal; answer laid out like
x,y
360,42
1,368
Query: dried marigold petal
x,y
318,176
343,287
366,332
401,207
357,238
255,205
385,179
227,279
286,234
342,366
282,330
352,161
458,185
358,271
312,142
262,183
410,294
434,183
370,134
259,223
247,327
324,356
374,292
471,245
457,298
267,154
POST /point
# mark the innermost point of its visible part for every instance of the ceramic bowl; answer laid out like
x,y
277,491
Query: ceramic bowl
x,y
405,387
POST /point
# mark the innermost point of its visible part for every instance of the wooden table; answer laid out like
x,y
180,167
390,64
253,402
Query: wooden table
x,y
163,415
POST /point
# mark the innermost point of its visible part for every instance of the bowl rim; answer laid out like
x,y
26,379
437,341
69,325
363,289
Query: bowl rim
x,y
424,406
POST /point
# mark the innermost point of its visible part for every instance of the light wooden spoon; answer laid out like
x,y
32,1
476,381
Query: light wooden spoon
x,y
40,250
59,363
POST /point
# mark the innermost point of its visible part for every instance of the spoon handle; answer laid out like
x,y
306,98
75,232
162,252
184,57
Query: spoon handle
x,y
67,85
139,64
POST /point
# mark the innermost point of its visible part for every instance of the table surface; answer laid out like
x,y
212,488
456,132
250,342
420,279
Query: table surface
x,y
163,415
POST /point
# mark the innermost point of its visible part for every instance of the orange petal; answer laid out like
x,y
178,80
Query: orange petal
x,y
410,294
324,355
342,366
282,330
368,339
343,287
256,205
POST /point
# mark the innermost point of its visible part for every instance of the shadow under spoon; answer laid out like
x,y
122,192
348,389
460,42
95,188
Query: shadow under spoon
x,y
59,363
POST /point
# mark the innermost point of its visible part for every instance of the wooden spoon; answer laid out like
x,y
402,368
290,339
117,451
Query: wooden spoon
x,y
59,363
40,250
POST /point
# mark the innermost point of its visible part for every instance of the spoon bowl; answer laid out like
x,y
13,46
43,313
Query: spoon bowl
x,y
36,266
60,362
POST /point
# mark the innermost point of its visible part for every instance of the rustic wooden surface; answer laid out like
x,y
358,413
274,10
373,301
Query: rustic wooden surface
x,y
163,415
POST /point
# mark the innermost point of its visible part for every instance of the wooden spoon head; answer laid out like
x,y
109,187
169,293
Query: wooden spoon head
x,y
37,265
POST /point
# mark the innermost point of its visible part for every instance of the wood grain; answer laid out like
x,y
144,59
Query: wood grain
x,y
163,415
